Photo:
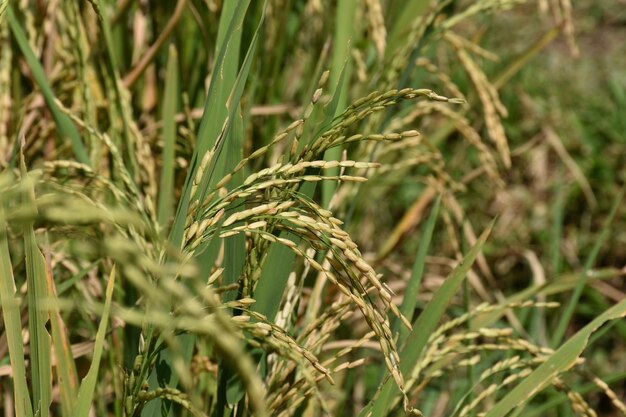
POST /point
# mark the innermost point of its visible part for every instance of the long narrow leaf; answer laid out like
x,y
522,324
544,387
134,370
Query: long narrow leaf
x,y
522,59
279,261
276,269
64,125
41,368
88,385
234,246
67,376
231,389
10,304
170,101
37,318
426,324
212,122
225,139
582,281
340,75
561,360
412,289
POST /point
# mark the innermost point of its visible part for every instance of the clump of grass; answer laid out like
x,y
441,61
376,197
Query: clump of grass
x,y
230,248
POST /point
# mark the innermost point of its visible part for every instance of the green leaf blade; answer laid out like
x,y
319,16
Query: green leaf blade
x,y
64,125
412,289
561,360
88,385
12,323
170,101
426,324
40,342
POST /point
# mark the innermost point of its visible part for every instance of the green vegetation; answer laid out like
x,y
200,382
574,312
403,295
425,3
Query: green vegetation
x,y
309,208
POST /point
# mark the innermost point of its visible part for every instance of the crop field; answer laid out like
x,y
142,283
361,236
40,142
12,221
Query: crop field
x,y
308,208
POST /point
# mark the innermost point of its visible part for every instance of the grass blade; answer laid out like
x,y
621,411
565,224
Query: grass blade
x,y
234,246
561,360
279,261
41,368
275,273
341,62
231,389
558,211
412,289
170,105
426,324
226,137
582,281
118,108
66,368
522,60
212,122
64,125
37,293
88,385
12,325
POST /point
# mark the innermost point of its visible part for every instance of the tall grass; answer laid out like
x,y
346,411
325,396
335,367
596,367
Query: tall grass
x,y
193,205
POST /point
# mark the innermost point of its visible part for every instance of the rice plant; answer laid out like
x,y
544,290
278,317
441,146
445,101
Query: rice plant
x,y
190,207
